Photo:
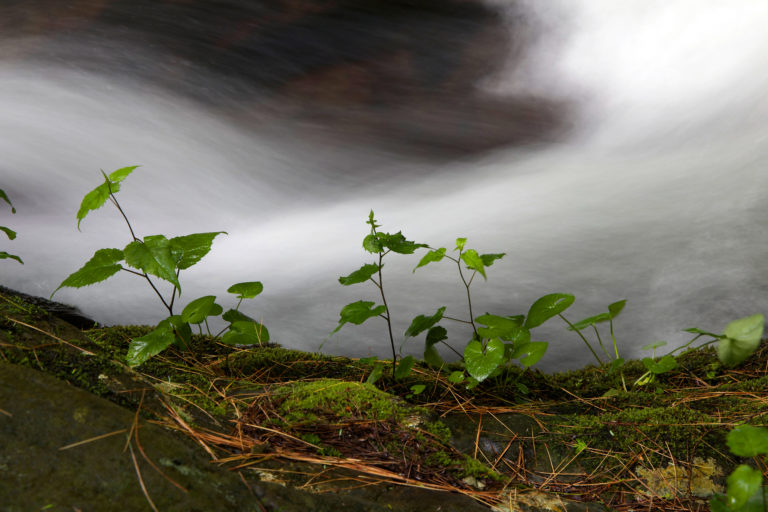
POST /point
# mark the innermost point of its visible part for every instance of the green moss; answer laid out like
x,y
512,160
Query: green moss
x,y
439,429
337,400
271,363
661,429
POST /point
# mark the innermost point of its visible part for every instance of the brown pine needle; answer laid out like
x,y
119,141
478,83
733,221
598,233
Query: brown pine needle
x,y
65,342
86,441
141,480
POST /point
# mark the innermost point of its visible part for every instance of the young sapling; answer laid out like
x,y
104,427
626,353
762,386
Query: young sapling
x,y
163,258
380,244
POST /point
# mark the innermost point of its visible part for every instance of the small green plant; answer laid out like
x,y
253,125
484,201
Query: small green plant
x,y
592,321
486,353
11,234
745,491
496,340
380,244
164,258
739,340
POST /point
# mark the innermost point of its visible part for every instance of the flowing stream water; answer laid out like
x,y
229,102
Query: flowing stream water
x,y
655,191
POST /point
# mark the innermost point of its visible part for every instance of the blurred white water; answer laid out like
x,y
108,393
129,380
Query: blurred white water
x,y
659,196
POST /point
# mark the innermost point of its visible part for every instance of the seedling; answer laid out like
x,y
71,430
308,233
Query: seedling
x,y
380,244
486,353
11,234
739,340
163,258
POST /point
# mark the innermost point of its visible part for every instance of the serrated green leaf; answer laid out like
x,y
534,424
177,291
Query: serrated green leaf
x,y
530,353
247,290
120,174
582,324
748,441
436,335
546,307
142,348
153,256
4,255
95,199
372,221
372,244
368,360
403,367
456,377
742,484
360,275
358,312
488,259
663,365
397,243
246,333
460,243
9,232
199,309
421,323
431,257
474,261
189,249
615,308
742,337
101,266
481,363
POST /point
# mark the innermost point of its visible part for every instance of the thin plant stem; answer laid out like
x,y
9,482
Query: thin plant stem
x,y
145,276
115,202
175,289
600,341
380,286
453,350
120,209
613,337
469,297
582,337
457,320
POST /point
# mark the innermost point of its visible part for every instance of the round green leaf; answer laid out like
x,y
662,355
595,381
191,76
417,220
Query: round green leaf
x,y
199,309
742,484
742,337
546,307
247,290
530,353
663,365
481,363
748,441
